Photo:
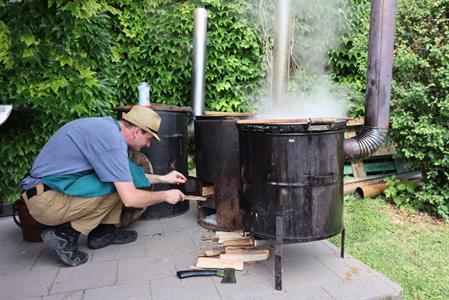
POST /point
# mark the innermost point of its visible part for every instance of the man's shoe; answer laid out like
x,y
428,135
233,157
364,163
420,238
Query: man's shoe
x,y
107,234
64,240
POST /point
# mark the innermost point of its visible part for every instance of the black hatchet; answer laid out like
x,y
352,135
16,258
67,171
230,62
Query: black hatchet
x,y
227,274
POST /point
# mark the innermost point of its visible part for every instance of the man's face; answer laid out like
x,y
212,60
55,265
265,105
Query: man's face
x,y
141,140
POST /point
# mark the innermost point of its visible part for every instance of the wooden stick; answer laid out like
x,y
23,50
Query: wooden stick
x,y
194,198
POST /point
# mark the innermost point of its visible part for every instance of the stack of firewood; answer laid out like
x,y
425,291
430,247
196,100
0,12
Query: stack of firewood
x,y
232,250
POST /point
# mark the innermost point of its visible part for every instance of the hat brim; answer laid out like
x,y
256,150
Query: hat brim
x,y
137,123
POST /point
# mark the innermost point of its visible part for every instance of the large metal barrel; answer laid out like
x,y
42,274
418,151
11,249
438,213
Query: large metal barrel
x,y
218,168
295,171
167,155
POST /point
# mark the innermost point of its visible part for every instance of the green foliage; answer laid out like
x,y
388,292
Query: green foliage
x,y
235,57
349,61
72,59
420,111
52,59
399,191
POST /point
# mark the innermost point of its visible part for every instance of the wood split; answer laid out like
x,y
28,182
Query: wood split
x,y
219,263
236,248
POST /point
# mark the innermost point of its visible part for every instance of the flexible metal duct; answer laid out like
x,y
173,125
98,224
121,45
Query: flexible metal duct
x,y
378,89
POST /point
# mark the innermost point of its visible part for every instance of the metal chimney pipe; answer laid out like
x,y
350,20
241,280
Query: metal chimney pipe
x,y
281,53
199,61
378,87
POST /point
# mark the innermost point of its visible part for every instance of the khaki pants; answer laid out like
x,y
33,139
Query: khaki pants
x,y
84,214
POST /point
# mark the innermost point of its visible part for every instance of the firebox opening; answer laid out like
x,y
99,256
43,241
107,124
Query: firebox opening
x,y
207,211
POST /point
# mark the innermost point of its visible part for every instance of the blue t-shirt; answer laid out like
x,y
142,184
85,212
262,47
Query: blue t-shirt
x,y
83,145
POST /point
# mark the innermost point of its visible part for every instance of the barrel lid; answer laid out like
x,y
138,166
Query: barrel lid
x,y
292,125
158,107
218,115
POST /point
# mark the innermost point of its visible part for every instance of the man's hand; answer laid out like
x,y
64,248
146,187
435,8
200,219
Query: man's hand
x,y
132,197
174,177
173,196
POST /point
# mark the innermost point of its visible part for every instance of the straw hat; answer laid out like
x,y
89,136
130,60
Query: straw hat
x,y
145,118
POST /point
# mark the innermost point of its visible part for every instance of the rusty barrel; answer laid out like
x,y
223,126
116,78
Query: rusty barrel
x,y
167,155
218,169
293,170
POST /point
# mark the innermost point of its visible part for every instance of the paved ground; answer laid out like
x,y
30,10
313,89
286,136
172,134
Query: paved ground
x,y
146,269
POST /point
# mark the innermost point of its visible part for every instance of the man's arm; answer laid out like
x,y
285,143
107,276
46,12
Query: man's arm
x,y
174,177
132,197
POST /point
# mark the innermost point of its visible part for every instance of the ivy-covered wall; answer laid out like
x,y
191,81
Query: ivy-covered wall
x,y
72,59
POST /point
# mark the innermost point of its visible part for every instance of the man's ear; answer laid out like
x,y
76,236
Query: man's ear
x,y
133,131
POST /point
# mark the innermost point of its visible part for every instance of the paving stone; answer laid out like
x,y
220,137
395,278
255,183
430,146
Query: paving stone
x,y
303,271
18,259
144,269
18,285
119,292
308,293
147,228
115,252
76,295
244,289
168,243
347,268
364,288
47,260
198,288
88,275
293,251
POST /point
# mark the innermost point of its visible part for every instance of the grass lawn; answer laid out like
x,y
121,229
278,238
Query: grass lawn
x,y
409,248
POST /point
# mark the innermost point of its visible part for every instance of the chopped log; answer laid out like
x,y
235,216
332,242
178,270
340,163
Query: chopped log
x,y
239,242
212,252
211,238
248,257
224,236
246,250
218,263
208,191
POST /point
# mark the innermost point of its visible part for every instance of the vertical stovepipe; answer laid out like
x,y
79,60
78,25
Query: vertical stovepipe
x,y
378,87
199,61
281,53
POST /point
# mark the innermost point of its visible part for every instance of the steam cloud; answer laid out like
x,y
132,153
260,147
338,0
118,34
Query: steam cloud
x,y
316,28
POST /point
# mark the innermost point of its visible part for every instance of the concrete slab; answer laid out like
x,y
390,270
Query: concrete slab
x,y
146,269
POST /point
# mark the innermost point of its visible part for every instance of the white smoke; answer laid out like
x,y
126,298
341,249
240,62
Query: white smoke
x,y
316,29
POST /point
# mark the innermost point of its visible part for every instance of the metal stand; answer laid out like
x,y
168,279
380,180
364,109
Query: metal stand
x,y
278,253
342,244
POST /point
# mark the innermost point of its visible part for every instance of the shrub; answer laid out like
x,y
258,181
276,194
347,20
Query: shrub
x,y
420,107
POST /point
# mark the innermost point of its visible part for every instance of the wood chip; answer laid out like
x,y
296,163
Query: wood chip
x,y
212,238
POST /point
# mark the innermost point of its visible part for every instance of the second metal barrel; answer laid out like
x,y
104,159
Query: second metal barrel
x,y
294,171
